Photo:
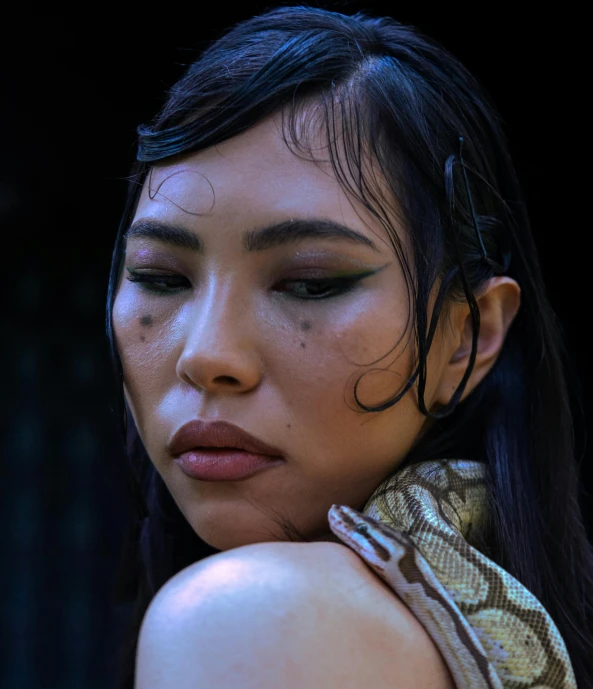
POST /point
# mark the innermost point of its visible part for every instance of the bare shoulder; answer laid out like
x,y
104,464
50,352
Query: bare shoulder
x,y
295,615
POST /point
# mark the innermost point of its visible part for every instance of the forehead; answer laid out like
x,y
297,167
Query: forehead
x,y
254,164
255,175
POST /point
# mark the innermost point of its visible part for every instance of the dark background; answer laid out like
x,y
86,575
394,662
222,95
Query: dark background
x,y
75,87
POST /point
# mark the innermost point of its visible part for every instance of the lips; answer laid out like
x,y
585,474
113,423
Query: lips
x,y
212,434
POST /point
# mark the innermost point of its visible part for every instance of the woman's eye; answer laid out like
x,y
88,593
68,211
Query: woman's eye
x,y
163,284
323,289
299,289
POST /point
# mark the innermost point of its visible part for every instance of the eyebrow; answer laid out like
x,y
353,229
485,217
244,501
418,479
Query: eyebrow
x,y
275,235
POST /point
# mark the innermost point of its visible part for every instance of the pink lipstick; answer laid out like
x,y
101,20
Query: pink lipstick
x,y
228,464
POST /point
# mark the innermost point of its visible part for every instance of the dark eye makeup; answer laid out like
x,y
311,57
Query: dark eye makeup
x,y
306,288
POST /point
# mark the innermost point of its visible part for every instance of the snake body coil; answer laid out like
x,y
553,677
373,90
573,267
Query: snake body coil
x,y
416,532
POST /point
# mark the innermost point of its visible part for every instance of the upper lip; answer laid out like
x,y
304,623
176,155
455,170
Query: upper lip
x,y
195,434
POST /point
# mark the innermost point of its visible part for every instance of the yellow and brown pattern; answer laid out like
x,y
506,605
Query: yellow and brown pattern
x,y
420,531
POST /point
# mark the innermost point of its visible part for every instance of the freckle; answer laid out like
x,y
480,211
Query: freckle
x,y
306,325
303,345
146,320
288,425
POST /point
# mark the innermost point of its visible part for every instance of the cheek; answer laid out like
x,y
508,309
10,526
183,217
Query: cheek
x,y
143,350
368,344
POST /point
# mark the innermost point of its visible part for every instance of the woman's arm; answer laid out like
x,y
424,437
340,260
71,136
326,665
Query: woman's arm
x,y
284,615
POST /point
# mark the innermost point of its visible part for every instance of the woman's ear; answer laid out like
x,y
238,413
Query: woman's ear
x,y
498,302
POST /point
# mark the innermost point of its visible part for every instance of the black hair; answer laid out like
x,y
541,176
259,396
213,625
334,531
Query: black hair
x,y
387,94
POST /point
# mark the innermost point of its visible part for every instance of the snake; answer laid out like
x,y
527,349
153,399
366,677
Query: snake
x,y
421,531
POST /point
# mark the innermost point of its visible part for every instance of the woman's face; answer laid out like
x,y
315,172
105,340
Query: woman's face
x,y
239,335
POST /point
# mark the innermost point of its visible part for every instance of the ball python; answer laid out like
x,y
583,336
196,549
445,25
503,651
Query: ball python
x,y
418,532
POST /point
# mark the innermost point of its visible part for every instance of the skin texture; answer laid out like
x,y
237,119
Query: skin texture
x,y
235,343
290,615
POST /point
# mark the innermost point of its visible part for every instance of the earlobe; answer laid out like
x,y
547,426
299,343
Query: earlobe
x,y
498,302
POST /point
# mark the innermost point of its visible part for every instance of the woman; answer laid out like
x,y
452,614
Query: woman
x,y
325,264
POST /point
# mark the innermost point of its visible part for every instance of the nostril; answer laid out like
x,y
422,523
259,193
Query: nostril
x,y
227,379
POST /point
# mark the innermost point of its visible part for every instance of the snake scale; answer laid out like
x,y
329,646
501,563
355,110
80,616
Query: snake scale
x,y
416,532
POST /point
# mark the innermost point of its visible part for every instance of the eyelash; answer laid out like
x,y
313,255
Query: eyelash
x,y
170,284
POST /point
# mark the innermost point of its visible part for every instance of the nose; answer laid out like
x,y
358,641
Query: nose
x,y
219,351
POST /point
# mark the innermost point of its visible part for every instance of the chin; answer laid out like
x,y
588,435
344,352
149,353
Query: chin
x,y
225,537
228,541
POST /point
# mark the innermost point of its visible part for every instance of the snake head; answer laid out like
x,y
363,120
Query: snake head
x,y
376,542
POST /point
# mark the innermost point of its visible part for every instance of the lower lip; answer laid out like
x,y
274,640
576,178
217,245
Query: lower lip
x,y
224,465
